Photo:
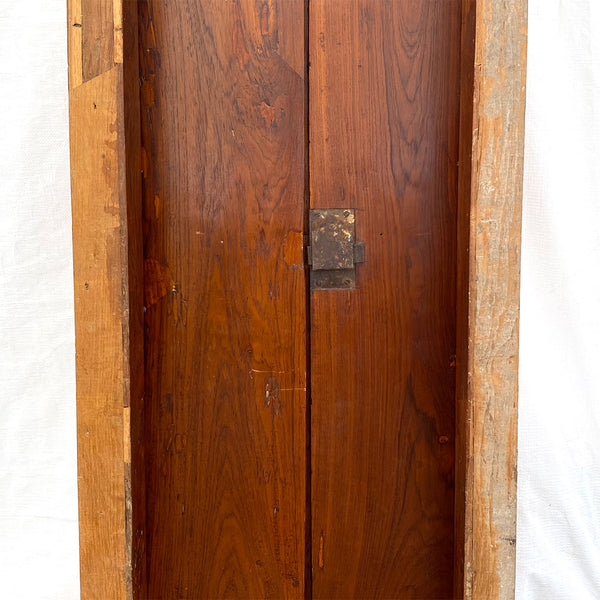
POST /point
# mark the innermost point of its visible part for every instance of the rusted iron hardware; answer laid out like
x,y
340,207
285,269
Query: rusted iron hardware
x,y
333,252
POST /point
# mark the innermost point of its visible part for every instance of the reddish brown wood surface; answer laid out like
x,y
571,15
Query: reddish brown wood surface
x,y
384,90
463,423
133,334
223,110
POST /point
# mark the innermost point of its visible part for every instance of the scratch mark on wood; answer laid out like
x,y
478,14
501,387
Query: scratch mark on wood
x,y
321,546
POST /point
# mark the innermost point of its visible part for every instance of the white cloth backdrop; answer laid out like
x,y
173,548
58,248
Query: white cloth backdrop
x,y
558,537
558,546
38,479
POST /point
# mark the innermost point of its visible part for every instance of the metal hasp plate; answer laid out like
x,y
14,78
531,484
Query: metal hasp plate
x,y
333,251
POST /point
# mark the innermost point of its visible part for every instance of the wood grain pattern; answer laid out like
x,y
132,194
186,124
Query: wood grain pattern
x,y
106,206
126,26
384,90
223,137
494,276
255,39
97,18
74,42
463,424
100,270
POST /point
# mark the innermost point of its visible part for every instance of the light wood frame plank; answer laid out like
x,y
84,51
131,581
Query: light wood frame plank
x,y
490,196
107,256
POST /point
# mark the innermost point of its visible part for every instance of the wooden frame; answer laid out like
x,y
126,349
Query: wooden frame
x,y
107,237
107,257
490,194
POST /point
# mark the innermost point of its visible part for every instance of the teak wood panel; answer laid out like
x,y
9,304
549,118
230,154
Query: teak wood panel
x,y
384,91
223,112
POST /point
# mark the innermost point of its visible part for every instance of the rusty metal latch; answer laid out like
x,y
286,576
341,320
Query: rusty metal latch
x,y
333,252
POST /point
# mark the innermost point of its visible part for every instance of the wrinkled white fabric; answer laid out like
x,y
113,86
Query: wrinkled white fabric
x,y
38,480
558,538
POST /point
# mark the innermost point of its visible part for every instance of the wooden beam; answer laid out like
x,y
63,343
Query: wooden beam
x,y
107,255
491,181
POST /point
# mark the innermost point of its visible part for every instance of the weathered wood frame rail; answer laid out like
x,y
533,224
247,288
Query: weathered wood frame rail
x,y
107,256
489,234
107,237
